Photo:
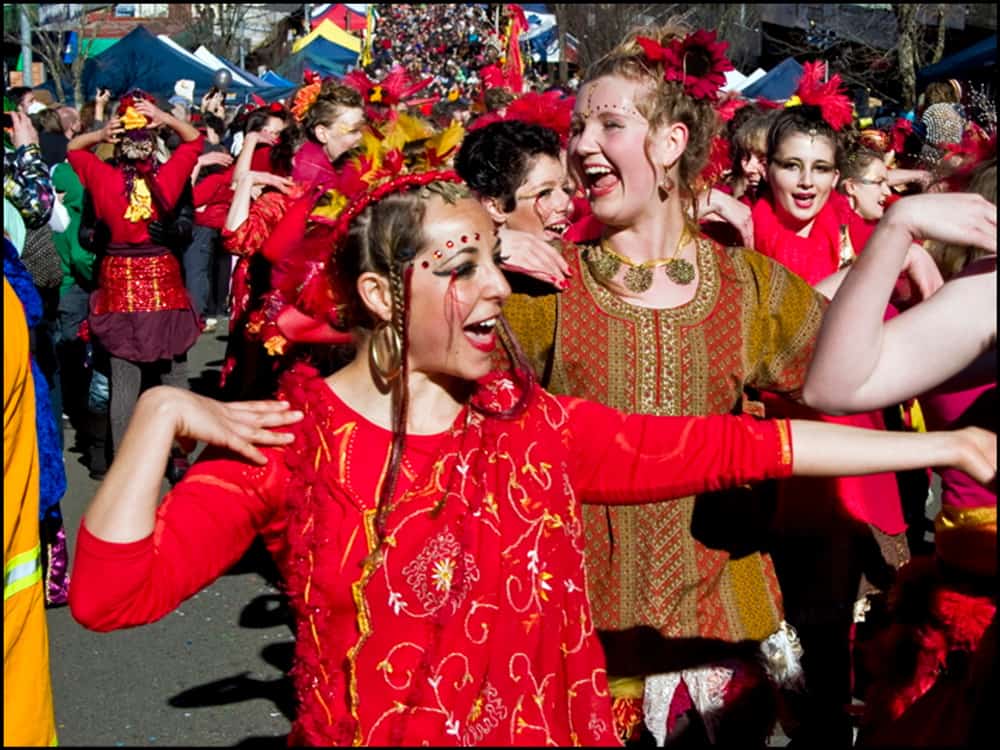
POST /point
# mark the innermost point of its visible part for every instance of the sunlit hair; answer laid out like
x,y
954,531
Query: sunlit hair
x,y
951,259
663,102
855,163
333,100
804,120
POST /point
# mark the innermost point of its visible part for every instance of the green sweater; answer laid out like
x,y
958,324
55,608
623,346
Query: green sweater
x,y
77,263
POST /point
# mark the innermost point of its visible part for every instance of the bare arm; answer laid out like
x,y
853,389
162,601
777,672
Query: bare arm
x,y
124,508
822,449
247,190
862,363
157,116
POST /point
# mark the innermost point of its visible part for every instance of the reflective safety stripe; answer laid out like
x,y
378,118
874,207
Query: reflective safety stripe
x,y
22,571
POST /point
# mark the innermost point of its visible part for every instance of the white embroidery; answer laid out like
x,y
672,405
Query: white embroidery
x,y
432,574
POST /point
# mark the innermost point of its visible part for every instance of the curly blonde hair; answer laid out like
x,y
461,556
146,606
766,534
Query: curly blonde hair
x,y
664,102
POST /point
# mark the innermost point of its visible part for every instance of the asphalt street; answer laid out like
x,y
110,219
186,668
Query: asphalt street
x,y
213,672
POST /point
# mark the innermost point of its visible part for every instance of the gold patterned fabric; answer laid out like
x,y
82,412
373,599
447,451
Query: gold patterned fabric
x,y
688,568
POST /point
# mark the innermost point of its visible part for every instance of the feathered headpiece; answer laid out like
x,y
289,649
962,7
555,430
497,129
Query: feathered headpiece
x,y
551,110
834,105
306,96
130,118
697,61
304,245
381,97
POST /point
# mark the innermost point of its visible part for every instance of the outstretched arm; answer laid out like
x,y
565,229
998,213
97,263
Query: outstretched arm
x,y
628,458
862,363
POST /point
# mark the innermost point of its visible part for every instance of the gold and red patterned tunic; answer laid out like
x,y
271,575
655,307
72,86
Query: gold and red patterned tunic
x,y
751,323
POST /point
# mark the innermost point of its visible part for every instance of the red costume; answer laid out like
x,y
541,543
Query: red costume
x,y
141,310
467,621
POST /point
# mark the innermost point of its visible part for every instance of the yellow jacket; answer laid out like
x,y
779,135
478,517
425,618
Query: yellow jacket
x,y
28,717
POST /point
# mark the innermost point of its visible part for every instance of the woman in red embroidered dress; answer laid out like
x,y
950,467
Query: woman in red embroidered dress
x,y
422,507
141,312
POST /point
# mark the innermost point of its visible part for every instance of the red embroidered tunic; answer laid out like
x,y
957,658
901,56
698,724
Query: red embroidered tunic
x,y
469,622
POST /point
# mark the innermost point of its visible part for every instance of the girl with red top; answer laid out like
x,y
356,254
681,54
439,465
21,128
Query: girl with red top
x,y
332,117
424,509
141,313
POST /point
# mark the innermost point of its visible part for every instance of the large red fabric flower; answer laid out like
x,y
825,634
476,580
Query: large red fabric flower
x,y
698,62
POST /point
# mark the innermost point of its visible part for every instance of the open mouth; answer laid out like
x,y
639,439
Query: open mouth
x,y
803,200
599,180
482,335
557,229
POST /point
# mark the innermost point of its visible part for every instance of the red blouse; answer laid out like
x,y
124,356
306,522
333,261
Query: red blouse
x,y
467,620
106,184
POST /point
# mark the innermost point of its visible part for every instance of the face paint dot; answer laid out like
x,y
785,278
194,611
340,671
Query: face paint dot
x,y
437,254
449,244
425,264
465,238
477,235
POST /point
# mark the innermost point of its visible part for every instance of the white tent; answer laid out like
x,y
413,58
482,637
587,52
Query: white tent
x,y
740,81
215,63
212,67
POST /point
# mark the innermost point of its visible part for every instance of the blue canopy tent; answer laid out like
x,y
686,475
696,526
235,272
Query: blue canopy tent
x,y
140,60
320,55
972,62
273,79
777,84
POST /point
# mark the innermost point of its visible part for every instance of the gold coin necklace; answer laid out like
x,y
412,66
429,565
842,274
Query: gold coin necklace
x,y
605,264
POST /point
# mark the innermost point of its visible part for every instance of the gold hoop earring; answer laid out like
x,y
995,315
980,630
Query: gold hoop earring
x,y
385,351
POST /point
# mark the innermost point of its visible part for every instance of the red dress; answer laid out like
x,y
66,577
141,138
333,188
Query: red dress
x,y
468,622
141,310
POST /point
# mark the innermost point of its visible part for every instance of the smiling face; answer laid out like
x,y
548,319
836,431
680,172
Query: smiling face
x,y
456,292
802,174
543,202
607,151
870,190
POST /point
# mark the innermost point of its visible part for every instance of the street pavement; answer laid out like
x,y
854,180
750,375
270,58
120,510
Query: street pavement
x,y
211,673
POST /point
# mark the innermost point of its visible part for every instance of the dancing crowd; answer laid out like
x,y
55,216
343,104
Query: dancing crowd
x,y
575,418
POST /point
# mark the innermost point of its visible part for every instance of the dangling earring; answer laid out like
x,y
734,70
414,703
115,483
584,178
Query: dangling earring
x,y
666,186
385,351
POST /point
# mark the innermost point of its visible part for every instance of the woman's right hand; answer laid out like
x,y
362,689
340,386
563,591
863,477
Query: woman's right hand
x,y
218,158
261,180
976,454
955,218
239,426
24,130
111,130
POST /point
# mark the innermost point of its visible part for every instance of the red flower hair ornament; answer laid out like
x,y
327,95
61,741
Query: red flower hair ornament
x,y
698,62
550,109
835,107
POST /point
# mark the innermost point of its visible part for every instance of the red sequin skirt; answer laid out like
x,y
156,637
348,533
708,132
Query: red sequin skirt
x,y
141,310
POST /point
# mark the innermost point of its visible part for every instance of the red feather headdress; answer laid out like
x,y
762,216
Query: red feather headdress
x,y
381,97
835,107
551,110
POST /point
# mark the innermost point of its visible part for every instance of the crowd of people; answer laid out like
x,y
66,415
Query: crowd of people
x,y
621,403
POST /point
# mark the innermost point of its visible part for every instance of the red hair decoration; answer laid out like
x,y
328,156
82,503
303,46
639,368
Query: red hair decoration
x,y
697,61
381,97
551,110
835,107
